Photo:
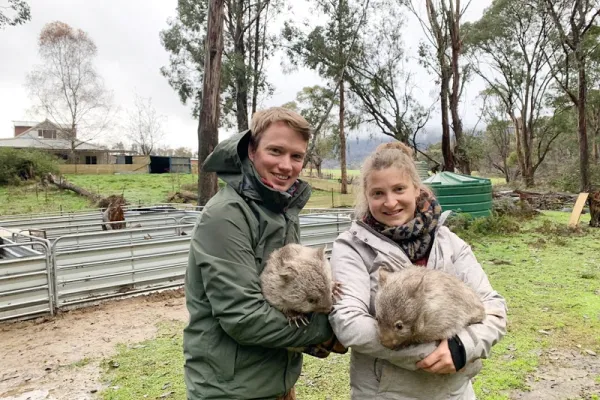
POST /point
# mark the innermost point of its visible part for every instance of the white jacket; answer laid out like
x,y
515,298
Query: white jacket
x,y
377,372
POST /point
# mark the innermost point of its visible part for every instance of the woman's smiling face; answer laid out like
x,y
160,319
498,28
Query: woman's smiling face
x,y
392,196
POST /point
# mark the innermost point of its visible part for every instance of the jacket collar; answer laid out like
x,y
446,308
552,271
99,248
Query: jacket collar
x,y
383,244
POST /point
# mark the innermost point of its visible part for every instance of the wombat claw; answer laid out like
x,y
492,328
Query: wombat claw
x,y
336,290
297,318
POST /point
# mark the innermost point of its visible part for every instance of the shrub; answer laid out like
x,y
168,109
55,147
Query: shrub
x,y
20,165
519,209
494,224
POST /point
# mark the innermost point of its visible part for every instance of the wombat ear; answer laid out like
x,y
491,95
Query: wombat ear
x,y
287,273
288,252
321,253
383,276
420,288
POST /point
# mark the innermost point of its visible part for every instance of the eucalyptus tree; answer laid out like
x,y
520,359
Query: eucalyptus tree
x,y
441,54
247,44
508,48
573,26
379,80
328,49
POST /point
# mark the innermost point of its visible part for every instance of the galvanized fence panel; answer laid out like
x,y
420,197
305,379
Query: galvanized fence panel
x,y
85,267
6,220
322,230
96,272
108,239
54,232
48,221
53,229
26,282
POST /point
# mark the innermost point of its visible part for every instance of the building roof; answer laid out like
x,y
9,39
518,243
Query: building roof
x,y
45,124
26,140
47,144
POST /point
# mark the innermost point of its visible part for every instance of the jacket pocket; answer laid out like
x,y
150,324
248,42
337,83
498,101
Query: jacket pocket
x,y
221,351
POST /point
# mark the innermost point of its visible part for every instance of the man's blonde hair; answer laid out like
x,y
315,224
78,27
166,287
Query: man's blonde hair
x,y
261,120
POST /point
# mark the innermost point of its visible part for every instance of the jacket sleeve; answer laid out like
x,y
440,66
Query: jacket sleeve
x,y
478,339
223,252
352,323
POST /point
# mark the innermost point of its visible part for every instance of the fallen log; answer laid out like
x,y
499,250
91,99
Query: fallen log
x,y
183,196
99,201
539,201
64,184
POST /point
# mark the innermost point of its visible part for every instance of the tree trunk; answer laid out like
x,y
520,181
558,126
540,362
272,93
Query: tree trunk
x,y
256,74
446,145
241,80
457,126
528,177
518,122
583,142
208,124
506,171
344,188
595,155
594,203
528,170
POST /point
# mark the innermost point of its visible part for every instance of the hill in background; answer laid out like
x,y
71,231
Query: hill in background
x,y
358,148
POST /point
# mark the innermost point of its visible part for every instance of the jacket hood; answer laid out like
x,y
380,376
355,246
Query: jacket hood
x,y
230,161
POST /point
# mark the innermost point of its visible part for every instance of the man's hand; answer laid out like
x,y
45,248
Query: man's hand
x,y
438,362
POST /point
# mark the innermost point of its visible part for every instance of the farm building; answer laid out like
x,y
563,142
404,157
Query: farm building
x,y
158,164
49,137
87,158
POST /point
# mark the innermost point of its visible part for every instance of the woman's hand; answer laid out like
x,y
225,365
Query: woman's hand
x,y
438,362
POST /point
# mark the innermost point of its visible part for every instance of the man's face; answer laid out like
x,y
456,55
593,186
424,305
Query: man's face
x,y
279,155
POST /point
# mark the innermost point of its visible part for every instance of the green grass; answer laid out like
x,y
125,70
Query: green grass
x,y
551,290
139,188
147,188
149,370
37,199
337,173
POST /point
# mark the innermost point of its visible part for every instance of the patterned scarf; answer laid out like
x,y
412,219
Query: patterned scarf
x,y
415,237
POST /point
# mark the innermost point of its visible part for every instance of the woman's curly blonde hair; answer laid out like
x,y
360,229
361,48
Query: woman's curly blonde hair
x,y
386,155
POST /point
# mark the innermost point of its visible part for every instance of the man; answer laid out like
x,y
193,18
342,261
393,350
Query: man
x,y
235,342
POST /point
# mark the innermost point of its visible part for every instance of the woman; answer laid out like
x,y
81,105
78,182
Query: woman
x,y
235,342
398,223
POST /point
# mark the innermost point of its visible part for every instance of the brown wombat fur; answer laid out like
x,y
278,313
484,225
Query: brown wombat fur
x,y
420,305
297,280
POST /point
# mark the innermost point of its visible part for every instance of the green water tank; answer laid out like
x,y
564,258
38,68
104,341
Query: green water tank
x,y
422,169
462,193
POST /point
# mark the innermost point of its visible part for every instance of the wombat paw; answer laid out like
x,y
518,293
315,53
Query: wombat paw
x,y
336,291
295,318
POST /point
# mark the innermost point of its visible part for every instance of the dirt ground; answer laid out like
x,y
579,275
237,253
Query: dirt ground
x,y
39,358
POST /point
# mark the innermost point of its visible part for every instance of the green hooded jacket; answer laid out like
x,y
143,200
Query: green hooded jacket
x,y
235,342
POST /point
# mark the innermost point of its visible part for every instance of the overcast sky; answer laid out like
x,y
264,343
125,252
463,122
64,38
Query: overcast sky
x,y
130,55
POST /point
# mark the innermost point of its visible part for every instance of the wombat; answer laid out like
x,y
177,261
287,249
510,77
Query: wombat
x,y
297,280
420,305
